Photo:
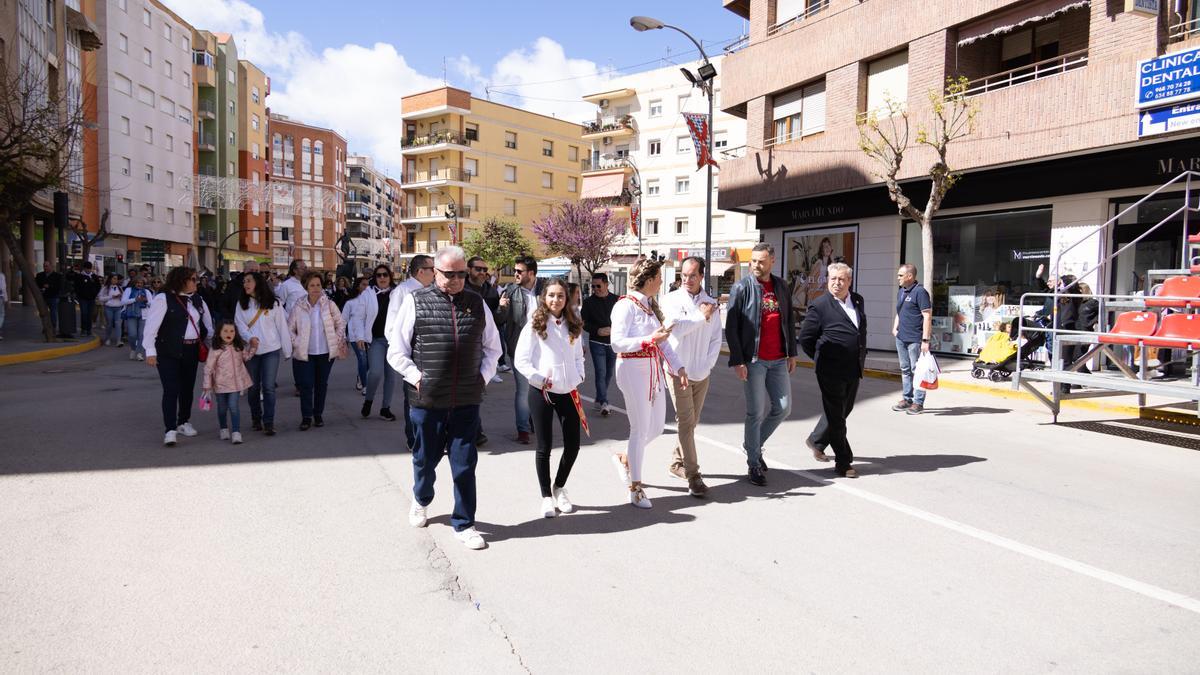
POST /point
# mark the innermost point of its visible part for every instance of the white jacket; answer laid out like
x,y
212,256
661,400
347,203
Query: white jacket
x,y
633,323
695,340
558,358
399,293
289,292
352,312
271,328
110,296
370,311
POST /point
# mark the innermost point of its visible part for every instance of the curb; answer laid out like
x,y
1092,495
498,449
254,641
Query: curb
x,y
48,354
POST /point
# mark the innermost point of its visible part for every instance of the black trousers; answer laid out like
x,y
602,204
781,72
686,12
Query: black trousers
x,y
837,399
543,415
178,377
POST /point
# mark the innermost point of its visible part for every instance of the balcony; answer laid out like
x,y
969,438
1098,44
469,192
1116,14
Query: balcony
x,y
1034,71
614,127
445,176
607,164
358,198
206,142
206,110
437,141
358,230
357,213
208,237
1184,30
425,214
811,8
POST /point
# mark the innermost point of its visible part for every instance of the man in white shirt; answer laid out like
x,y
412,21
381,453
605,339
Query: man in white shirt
x,y
696,337
292,290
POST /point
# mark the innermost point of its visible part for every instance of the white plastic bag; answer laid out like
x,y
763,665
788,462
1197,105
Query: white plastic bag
x,y
926,372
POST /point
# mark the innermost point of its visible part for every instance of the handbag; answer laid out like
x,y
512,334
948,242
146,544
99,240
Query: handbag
x,y
203,346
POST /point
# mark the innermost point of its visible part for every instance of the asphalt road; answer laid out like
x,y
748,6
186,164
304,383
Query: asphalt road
x,y
978,539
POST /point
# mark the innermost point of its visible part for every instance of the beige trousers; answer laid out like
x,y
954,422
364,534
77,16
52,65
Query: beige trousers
x,y
688,405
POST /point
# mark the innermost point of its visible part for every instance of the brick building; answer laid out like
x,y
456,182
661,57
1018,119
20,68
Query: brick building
x,y
1060,146
308,186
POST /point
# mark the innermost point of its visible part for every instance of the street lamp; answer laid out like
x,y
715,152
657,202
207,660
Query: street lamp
x,y
451,211
707,72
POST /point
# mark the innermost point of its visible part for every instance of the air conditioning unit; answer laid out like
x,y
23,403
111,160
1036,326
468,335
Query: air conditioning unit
x,y
608,140
603,103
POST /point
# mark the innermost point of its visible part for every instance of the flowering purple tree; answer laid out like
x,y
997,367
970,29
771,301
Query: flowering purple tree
x,y
583,231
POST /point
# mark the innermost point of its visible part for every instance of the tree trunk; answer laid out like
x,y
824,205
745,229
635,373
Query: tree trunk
x,y
927,254
27,276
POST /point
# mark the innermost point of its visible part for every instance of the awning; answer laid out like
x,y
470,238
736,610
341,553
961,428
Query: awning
x,y
603,185
241,256
1028,12
89,34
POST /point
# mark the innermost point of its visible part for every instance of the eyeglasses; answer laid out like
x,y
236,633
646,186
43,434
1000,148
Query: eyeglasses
x,y
454,274
520,271
480,269
380,275
597,285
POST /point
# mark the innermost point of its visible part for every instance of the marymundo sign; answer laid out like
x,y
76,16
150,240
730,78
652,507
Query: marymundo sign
x,y
1169,78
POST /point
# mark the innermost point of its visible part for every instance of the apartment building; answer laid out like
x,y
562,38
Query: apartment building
x,y
48,44
641,151
308,213
145,132
253,241
373,202
215,71
488,159
1060,146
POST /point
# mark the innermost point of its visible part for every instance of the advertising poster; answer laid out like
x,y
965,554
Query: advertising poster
x,y
806,256
962,307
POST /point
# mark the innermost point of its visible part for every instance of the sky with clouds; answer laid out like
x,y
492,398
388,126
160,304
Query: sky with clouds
x,y
347,65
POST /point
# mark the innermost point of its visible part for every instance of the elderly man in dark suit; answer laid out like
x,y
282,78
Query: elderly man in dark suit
x,y
834,335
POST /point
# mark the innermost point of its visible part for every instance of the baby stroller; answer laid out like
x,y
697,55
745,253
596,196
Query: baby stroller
x,y
998,358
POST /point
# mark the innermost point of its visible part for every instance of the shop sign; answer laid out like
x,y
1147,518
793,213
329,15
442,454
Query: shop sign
x,y
1031,254
1147,7
1169,78
718,254
1165,120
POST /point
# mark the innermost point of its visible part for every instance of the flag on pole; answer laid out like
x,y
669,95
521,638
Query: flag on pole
x,y
698,125
635,214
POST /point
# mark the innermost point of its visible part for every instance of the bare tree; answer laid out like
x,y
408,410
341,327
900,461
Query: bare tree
x,y
39,131
884,135
89,239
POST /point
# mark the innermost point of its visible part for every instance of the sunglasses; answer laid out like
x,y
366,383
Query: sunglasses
x,y
380,275
521,271
480,269
454,274
597,285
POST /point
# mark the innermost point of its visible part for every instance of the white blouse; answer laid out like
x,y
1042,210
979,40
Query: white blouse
x,y
558,358
633,322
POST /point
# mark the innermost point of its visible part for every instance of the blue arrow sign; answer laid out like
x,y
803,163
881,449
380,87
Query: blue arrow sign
x,y
1173,118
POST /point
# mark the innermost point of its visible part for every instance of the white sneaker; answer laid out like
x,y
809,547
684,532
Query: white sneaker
x,y
224,434
606,410
416,515
496,379
237,437
471,538
187,429
132,355
504,368
597,406
639,499
548,508
141,356
563,502
622,472
169,439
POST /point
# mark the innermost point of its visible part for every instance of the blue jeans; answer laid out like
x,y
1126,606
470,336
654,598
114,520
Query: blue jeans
x,y
227,404
447,432
909,352
312,376
133,328
522,402
113,316
361,356
380,370
768,393
604,363
264,369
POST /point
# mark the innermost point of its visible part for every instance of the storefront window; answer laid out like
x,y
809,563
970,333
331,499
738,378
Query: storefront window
x,y
1159,250
982,265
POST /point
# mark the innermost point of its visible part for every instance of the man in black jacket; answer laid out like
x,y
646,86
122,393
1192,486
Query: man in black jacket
x,y
834,335
87,287
597,321
50,283
517,303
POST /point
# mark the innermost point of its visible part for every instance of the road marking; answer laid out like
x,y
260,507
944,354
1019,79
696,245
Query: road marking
x,y
1129,584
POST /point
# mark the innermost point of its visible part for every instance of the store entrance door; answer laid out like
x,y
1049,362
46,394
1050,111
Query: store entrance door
x,y
1161,249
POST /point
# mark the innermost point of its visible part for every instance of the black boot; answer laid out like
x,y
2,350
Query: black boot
x,y
386,413
366,409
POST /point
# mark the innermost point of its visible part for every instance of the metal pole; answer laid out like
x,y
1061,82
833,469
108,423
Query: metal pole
x,y
708,89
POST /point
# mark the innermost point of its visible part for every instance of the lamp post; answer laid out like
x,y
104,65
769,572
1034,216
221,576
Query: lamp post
x,y
707,73
452,208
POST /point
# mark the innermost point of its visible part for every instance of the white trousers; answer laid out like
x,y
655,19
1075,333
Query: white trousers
x,y
646,419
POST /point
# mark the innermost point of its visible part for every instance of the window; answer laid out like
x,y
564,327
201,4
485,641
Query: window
x,y
683,185
170,216
799,112
471,202
148,134
254,122
720,140
887,79
656,108
254,151
146,96
547,148
127,207
572,184
572,153
147,57
254,93
149,211
124,84
510,173
149,173
510,207
187,149
651,227
652,188
202,58
125,125
683,145
254,208
123,42
471,167
166,31
1033,44
786,10
230,76
622,151
170,142
146,18
232,106
187,78
121,5
654,147
185,115
306,159
472,131
547,180
125,167
168,69
681,225
510,140
231,169
166,105
170,179
319,161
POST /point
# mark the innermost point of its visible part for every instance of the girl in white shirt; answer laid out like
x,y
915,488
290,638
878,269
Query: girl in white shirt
x,y
110,297
640,341
550,355
354,313
263,324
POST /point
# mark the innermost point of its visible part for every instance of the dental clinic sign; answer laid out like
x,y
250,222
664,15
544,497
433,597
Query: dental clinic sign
x,y
1170,78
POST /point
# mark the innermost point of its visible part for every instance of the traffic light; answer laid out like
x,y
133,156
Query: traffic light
x,y
120,257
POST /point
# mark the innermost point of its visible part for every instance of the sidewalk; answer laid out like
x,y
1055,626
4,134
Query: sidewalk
x,y
23,341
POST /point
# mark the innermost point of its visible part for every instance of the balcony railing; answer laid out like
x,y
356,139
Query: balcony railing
x,y
606,163
206,141
358,213
435,138
438,212
608,124
447,173
208,236
738,45
812,9
207,108
1184,30
1034,71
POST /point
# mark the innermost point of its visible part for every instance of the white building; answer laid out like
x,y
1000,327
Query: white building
x,y
372,214
145,129
641,143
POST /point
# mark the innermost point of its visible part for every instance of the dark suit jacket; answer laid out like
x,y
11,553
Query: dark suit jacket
x,y
829,338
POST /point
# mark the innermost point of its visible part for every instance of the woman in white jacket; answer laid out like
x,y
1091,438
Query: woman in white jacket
x,y
373,338
640,341
262,323
353,313
110,297
550,355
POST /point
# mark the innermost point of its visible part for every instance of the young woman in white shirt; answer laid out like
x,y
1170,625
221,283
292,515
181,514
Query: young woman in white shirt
x,y
354,314
262,323
640,341
110,297
550,355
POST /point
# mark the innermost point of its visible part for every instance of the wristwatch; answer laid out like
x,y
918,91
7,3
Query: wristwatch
x,y
924,339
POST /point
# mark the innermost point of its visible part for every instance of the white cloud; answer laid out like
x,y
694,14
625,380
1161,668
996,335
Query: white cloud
x,y
543,79
273,52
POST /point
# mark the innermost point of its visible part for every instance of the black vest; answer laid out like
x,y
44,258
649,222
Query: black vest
x,y
169,341
447,346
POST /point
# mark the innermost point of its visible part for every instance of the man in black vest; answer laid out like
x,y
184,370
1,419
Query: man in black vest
x,y
834,335
517,303
445,344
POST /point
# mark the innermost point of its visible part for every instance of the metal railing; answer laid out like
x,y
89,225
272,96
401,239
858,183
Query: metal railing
x,y
1184,30
207,107
812,9
447,173
438,212
1010,78
605,164
206,141
435,138
357,212
737,45
608,124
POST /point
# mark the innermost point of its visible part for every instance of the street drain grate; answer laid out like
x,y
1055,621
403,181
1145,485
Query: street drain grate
x,y
1138,430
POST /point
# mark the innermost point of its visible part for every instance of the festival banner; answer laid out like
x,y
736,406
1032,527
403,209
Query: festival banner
x,y
698,125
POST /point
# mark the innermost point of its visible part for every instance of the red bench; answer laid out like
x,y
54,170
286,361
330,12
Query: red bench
x,y
1177,287
1131,328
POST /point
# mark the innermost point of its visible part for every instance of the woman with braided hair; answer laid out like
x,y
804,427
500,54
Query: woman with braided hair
x,y
640,341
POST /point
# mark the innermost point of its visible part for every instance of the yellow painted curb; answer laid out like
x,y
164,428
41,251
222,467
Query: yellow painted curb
x,y
47,354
